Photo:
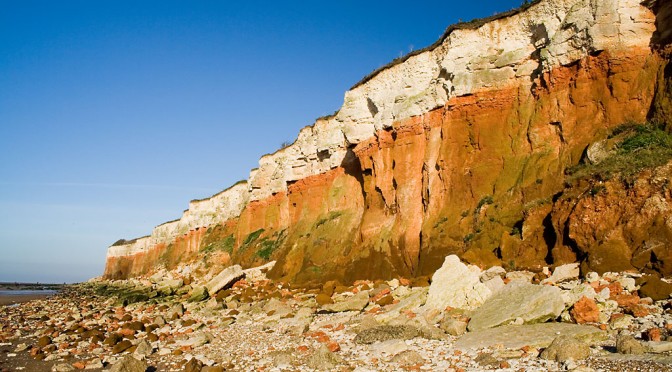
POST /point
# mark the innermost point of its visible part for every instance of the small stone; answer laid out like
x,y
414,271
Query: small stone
x,y
143,350
193,365
386,332
323,299
385,300
491,273
453,327
653,334
323,359
94,364
21,347
354,303
112,339
43,341
585,311
198,294
487,360
122,346
409,358
564,348
63,367
620,321
212,369
627,344
129,364
563,273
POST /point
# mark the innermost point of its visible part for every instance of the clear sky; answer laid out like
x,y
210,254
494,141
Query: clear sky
x,y
114,114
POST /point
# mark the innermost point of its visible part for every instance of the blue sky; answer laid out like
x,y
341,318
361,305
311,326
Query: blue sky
x,y
114,114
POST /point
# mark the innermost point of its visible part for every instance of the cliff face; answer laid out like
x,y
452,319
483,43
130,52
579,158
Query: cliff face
x,y
446,151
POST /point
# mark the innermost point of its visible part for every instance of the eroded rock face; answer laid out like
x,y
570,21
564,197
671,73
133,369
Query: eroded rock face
x,y
444,153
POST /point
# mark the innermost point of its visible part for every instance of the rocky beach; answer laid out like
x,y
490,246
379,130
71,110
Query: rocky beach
x,y
499,200
460,319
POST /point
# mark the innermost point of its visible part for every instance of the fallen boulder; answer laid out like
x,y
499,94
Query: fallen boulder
x,y
534,335
354,303
518,300
227,277
456,285
564,348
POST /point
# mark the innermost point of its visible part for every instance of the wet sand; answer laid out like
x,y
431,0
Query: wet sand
x,y
17,298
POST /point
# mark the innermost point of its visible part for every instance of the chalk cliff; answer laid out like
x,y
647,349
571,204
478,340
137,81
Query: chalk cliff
x,y
446,151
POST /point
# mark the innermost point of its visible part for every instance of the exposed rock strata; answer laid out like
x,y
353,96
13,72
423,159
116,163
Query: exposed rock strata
x,y
443,153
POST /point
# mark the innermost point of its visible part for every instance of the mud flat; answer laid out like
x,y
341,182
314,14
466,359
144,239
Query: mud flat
x,y
12,297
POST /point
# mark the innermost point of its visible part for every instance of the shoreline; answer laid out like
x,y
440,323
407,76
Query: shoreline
x,y
13,299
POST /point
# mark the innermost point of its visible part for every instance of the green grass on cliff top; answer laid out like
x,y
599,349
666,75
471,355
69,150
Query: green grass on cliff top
x,y
644,146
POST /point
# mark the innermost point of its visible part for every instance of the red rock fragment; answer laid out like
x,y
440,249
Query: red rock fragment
x,y
639,311
79,365
333,346
626,300
653,334
585,311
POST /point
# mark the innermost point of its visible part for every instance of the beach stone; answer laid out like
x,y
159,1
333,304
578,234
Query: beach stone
x,y
523,276
176,311
623,321
143,349
491,273
409,358
626,344
21,347
534,335
529,302
659,346
43,341
258,273
389,347
159,321
121,346
564,348
581,290
386,332
323,299
563,273
323,359
94,364
196,340
487,360
224,279
198,294
213,368
169,286
585,311
354,303
129,364
655,288
456,285
193,365
63,367
453,327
